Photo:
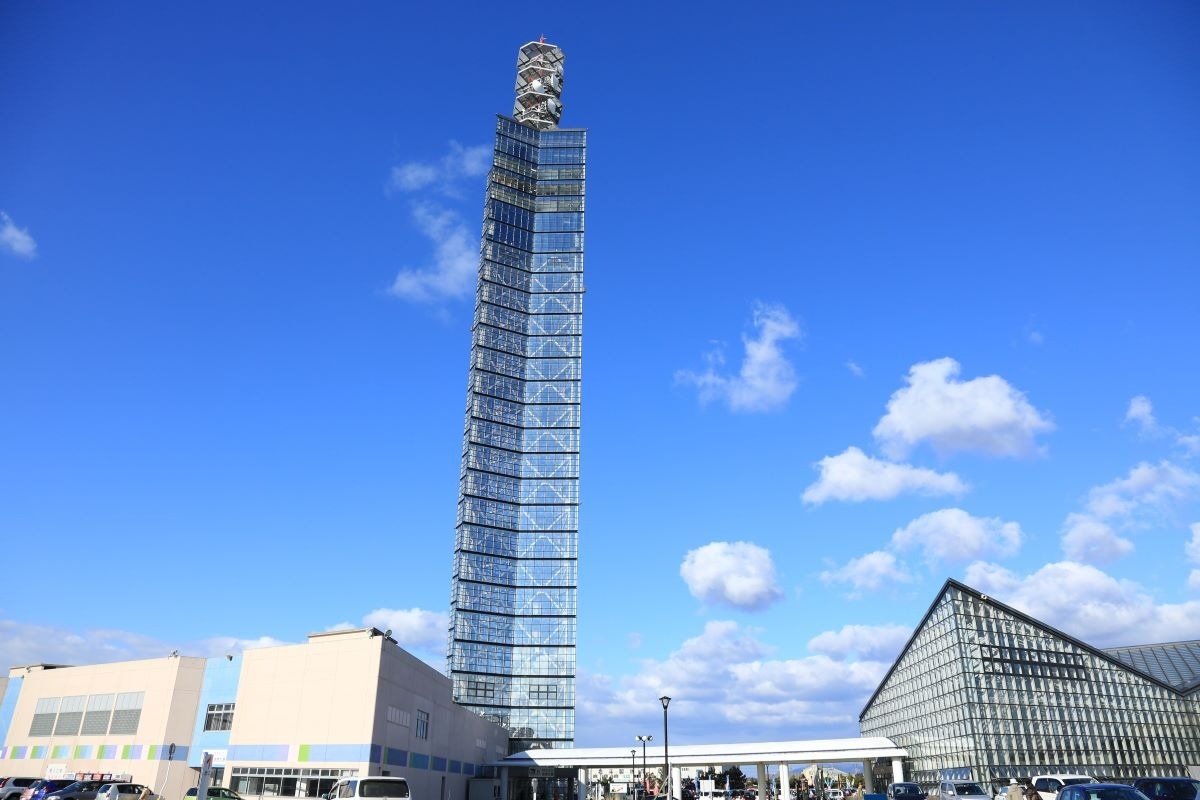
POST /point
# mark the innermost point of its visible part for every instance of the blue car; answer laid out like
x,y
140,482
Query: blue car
x,y
1100,791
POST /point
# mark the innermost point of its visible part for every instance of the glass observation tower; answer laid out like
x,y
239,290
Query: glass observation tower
x,y
516,546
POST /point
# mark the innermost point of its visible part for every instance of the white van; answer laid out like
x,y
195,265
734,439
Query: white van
x,y
374,787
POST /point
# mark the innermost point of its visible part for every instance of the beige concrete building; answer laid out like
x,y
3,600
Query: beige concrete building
x,y
111,719
279,722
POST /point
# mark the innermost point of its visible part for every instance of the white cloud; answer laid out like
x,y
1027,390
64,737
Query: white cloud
x,y
945,536
952,534
872,642
1150,492
456,259
228,645
725,679
1192,548
855,369
16,240
1092,541
1194,580
444,175
1085,602
23,643
1141,413
985,415
1148,487
1190,444
854,476
412,628
738,574
766,378
871,571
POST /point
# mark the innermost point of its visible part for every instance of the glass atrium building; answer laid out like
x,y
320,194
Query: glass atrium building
x,y
986,693
514,586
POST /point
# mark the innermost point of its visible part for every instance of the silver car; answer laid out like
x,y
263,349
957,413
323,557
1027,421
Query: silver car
x,y
963,790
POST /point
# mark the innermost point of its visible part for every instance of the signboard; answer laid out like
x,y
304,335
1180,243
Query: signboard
x,y
218,757
54,771
541,772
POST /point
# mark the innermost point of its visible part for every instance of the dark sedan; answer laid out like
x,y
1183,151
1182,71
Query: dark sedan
x,y
79,790
1168,788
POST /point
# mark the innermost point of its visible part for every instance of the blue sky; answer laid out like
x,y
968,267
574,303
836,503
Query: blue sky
x,y
878,294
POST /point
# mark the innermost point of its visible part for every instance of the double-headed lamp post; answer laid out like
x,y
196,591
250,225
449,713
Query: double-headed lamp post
x,y
666,701
645,777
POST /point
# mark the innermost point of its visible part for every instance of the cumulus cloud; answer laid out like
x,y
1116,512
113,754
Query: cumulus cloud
x,y
444,175
455,259
868,572
986,415
952,534
855,369
738,574
1190,444
412,628
1141,413
870,642
1092,541
1085,602
16,240
1147,487
946,536
766,379
854,476
1150,493
1192,550
23,643
725,678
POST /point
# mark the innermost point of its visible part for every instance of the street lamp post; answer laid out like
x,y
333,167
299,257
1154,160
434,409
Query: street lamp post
x,y
633,768
666,701
645,777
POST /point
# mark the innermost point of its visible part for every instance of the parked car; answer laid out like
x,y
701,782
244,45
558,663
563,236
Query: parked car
x,y
126,791
394,788
215,793
962,790
79,790
1168,788
834,794
1099,791
41,788
906,791
13,787
1048,786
